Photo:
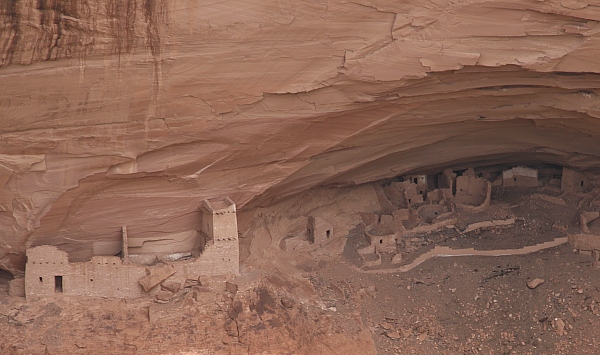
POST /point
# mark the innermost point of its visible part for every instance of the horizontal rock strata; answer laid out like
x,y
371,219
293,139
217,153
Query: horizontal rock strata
x,y
131,112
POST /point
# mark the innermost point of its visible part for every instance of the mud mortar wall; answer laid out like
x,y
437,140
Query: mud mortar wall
x,y
103,276
221,253
219,258
107,276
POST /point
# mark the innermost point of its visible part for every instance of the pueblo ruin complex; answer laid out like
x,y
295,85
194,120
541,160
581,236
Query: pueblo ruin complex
x,y
417,209
330,124
49,272
383,232
413,207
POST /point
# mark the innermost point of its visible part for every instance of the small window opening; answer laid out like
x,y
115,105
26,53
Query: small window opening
x,y
415,180
409,200
515,179
91,279
380,241
41,280
58,284
420,192
581,183
328,233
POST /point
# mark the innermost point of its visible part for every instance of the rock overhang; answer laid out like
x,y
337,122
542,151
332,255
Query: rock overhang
x,y
194,104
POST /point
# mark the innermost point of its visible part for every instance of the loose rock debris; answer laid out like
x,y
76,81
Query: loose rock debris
x,y
535,283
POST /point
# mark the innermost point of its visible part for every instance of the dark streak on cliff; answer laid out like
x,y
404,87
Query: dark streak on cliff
x,y
56,29
9,31
123,15
152,13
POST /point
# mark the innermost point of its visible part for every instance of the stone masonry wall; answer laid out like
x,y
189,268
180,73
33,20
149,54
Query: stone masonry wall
x,y
218,258
103,276
106,276
574,181
520,176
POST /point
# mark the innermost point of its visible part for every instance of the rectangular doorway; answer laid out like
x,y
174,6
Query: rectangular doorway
x,y
58,284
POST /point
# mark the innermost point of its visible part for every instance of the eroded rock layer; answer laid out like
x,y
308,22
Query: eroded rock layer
x,y
131,112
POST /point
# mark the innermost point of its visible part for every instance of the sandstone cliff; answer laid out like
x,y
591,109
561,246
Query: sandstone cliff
x,y
131,112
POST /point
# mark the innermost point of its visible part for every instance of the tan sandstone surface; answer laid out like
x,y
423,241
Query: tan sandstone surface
x,y
129,113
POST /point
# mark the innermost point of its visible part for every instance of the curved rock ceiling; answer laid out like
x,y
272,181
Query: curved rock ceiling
x,y
124,112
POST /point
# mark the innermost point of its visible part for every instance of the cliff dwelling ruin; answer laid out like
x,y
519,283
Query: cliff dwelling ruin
x,y
49,271
464,205
299,177
403,234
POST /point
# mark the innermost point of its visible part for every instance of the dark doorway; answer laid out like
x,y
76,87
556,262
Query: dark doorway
x,y
328,233
5,274
58,284
5,277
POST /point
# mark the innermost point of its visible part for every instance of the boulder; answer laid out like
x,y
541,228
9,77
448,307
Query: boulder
x,y
535,283
172,287
155,275
164,295
191,283
231,287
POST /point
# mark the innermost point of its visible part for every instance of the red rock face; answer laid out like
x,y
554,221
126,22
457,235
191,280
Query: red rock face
x,y
131,112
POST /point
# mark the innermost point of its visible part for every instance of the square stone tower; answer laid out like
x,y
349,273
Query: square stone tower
x,y
319,230
219,224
